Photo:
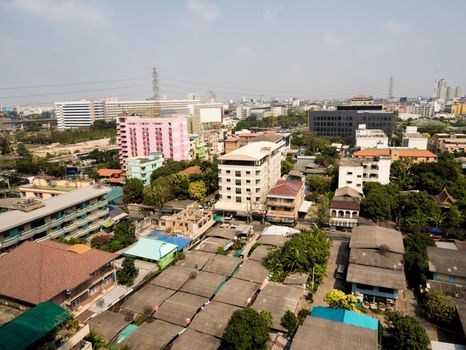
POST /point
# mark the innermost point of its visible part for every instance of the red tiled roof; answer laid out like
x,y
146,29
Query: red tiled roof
x,y
397,152
109,172
372,152
285,188
37,272
191,170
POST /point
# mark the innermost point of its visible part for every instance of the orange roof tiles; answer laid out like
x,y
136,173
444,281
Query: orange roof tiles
x,y
109,172
394,152
372,152
191,170
37,272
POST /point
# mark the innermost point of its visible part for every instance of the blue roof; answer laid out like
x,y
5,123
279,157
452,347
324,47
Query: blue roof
x,y
345,316
180,242
149,248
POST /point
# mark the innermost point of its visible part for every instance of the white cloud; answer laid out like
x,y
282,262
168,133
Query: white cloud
x,y
394,26
271,14
87,12
204,9
244,52
332,40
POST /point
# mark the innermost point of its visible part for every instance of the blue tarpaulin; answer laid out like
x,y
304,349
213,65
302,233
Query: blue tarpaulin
x,y
180,242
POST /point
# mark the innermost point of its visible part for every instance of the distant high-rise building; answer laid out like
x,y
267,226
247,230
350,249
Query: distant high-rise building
x,y
459,91
450,93
76,114
442,89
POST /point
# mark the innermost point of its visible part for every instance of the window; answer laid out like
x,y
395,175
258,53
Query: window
x,y
238,191
238,199
349,173
358,185
75,303
238,182
248,181
227,171
228,180
94,290
92,274
258,190
359,176
237,173
228,188
364,286
385,290
107,280
248,172
349,182
229,197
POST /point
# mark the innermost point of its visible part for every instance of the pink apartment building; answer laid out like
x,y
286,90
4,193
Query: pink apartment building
x,y
138,136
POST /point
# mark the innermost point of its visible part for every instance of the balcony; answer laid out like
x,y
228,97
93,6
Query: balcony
x,y
9,241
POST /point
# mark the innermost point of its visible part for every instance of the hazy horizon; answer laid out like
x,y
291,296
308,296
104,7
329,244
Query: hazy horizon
x,y
62,50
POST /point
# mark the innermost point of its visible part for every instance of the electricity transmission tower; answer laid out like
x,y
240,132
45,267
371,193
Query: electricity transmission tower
x,y
390,90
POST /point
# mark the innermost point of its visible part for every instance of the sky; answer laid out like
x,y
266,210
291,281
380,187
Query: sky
x,y
64,50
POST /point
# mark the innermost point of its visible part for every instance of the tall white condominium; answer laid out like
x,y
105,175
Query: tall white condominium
x,y
450,93
246,175
76,114
459,91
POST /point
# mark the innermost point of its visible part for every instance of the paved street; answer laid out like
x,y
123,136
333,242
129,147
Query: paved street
x,y
338,255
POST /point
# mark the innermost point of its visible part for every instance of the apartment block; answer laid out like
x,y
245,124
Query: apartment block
x,y
142,167
370,138
413,139
245,177
416,155
79,213
138,137
448,142
284,200
76,114
353,172
43,187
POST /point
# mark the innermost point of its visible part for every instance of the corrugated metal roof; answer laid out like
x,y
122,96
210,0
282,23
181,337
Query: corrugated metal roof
x,y
345,316
151,249
180,242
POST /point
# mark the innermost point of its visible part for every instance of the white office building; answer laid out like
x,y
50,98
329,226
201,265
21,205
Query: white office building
x,y
370,138
353,172
76,114
413,139
246,175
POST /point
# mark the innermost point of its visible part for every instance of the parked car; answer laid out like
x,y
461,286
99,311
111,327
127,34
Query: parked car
x,y
228,217
340,272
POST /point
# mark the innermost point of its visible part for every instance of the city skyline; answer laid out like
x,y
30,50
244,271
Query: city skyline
x,y
95,49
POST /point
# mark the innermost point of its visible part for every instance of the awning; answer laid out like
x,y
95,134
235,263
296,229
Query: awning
x,y
305,206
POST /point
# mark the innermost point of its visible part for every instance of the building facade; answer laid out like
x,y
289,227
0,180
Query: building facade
x,y
79,213
448,142
197,147
284,200
370,138
43,187
246,175
345,120
142,167
345,207
76,114
138,137
354,172
413,139
459,108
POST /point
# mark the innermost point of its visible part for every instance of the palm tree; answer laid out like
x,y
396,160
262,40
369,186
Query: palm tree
x,y
95,339
438,218
418,222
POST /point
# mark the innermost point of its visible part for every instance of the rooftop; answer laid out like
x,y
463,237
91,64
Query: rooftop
x,y
148,248
273,240
15,218
180,307
251,152
447,261
345,316
376,276
211,244
195,259
192,340
152,335
373,257
260,253
347,191
191,170
146,298
222,264
318,333
237,292
203,284
214,318
374,237
109,172
252,271
108,324
37,272
286,189
349,203
392,151
173,277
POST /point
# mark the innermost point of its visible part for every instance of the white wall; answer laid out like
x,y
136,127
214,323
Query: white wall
x,y
351,176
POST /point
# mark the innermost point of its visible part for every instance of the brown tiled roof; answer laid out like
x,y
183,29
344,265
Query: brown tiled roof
x,y
285,188
109,172
37,272
191,170
349,203
444,197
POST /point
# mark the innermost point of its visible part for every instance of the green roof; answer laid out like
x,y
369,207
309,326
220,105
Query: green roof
x,y
27,330
149,248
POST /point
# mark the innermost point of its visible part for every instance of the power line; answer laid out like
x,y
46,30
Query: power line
x,y
70,84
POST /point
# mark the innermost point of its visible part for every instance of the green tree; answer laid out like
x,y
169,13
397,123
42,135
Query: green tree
x,y
318,184
405,332
22,151
128,272
180,185
287,166
323,215
290,322
454,216
416,260
400,172
439,308
5,147
133,190
380,201
418,222
418,210
247,330
197,190
95,339
339,300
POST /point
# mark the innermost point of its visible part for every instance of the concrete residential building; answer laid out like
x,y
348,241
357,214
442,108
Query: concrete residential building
x,y
370,138
142,167
449,142
413,139
344,207
353,172
190,223
197,147
138,137
78,213
205,116
458,108
246,175
67,275
345,120
284,200
76,114
44,187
